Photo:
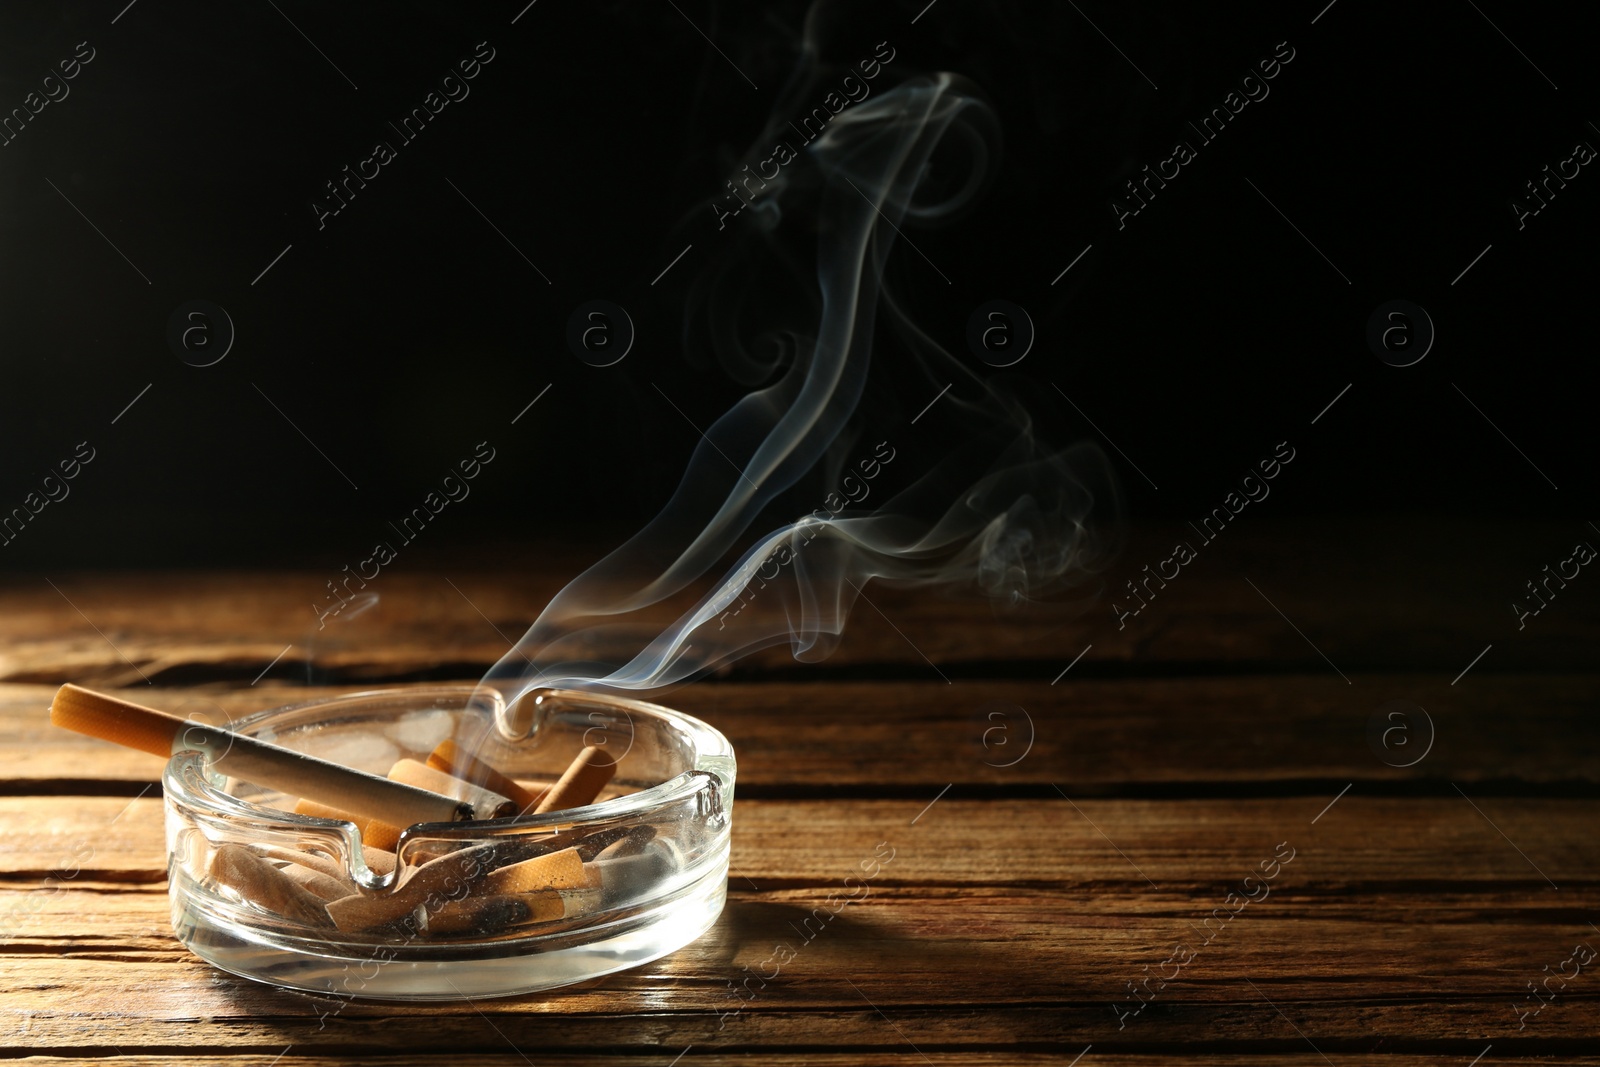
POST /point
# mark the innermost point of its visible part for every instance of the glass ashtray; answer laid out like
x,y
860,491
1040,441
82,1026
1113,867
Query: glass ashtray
x,y
461,909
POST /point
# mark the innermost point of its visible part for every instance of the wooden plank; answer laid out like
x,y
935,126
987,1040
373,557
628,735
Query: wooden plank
x,y
1436,975
1361,843
41,753
1395,916
1410,925
1092,736
704,1056
1415,595
88,916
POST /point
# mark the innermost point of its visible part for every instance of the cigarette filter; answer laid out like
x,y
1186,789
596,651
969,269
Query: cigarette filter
x,y
374,834
581,783
450,758
558,870
488,804
240,756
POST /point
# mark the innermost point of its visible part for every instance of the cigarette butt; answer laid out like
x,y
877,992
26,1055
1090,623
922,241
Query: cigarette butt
x,y
356,913
536,790
450,759
486,803
380,835
479,915
590,846
250,759
558,870
440,893
558,862
434,883
582,782
487,914
374,834
378,861
576,902
263,885
629,874
323,811
636,840
320,885
503,852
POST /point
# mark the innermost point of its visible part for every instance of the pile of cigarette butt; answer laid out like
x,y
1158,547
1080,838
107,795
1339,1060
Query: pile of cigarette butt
x,y
475,891
498,887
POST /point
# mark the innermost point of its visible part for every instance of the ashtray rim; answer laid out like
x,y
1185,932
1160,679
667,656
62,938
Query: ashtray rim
x,y
197,789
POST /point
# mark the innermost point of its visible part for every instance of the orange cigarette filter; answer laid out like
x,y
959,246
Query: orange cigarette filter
x,y
589,773
374,834
450,759
486,803
411,772
251,759
117,721
556,870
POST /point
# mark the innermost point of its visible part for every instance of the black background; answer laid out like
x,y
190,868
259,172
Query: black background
x,y
407,330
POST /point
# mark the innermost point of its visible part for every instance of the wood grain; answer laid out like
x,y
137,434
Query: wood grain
x,y
1361,842
1025,894
1093,736
1419,595
704,1055
1439,973
860,1058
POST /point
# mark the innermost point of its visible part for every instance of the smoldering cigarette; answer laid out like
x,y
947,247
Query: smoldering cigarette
x,y
450,759
409,772
489,803
240,756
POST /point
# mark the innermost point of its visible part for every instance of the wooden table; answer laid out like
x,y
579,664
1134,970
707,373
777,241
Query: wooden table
x,y
1075,812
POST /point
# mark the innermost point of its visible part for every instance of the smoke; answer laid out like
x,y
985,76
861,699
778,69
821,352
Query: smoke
x,y
998,512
